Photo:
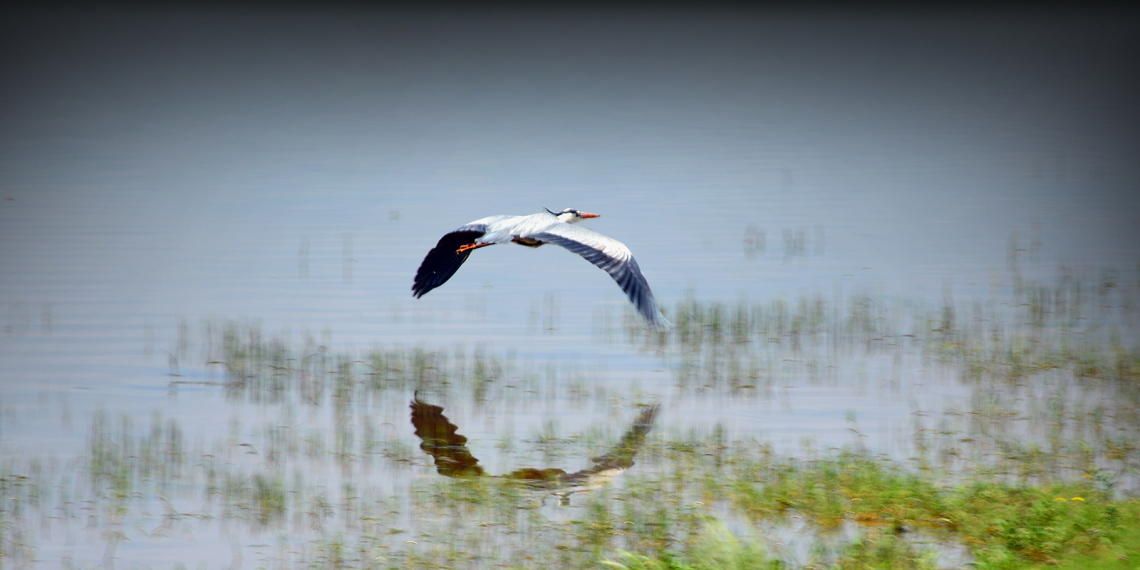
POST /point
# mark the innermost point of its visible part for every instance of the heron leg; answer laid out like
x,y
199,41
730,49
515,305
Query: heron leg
x,y
471,246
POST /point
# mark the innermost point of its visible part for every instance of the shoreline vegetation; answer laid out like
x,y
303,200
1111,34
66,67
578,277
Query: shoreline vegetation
x,y
1039,469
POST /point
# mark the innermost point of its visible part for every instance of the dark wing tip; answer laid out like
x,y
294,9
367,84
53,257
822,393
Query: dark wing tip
x,y
636,287
443,261
440,439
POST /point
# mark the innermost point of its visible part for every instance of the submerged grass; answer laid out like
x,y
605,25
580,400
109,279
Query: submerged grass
x,y
1038,469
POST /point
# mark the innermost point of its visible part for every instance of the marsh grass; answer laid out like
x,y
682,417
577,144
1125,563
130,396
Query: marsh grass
x,y
1038,467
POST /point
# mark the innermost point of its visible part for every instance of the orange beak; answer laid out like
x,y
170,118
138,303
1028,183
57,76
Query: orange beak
x,y
588,215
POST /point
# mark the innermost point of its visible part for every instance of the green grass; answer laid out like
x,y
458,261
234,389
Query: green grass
x,y
1004,525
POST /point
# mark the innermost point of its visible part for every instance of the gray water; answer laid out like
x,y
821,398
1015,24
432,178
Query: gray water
x,y
164,169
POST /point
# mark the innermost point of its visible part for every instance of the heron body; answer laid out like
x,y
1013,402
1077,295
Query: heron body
x,y
537,230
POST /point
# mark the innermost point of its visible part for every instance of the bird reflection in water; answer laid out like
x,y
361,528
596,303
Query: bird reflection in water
x,y
441,440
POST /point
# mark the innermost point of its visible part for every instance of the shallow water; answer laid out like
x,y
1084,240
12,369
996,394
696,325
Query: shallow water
x,y
164,172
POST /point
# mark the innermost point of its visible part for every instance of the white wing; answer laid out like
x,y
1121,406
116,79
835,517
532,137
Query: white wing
x,y
613,257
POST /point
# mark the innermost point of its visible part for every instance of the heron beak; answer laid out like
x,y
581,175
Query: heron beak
x,y
585,215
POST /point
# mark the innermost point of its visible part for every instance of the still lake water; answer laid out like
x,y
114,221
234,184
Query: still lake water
x,y
164,170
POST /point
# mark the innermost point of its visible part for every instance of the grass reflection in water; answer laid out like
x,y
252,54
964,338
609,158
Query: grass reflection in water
x,y
1037,466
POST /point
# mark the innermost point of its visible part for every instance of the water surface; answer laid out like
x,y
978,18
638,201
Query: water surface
x,y
165,172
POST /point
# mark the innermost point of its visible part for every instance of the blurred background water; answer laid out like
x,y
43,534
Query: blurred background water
x,y
162,168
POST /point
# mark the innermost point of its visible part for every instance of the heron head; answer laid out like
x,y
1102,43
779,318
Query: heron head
x,y
570,215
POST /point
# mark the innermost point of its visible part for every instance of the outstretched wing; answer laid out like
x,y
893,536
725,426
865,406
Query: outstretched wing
x,y
619,457
444,259
613,257
441,441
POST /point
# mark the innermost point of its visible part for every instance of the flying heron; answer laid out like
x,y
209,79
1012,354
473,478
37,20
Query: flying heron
x,y
610,255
